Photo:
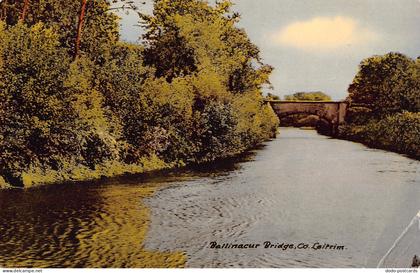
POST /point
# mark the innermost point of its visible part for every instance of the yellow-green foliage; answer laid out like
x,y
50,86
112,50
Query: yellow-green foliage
x,y
32,101
256,119
36,176
396,132
3,183
308,96
191,94
385,103
50,112
100,26
387,84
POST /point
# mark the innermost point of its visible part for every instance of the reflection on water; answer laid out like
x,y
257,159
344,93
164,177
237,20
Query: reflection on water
x,y
299,188
79,226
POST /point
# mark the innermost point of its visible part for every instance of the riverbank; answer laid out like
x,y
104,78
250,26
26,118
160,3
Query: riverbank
x,y
79,173
40,177
398,133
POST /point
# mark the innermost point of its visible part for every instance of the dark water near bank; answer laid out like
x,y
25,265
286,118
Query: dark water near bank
x,y
300,188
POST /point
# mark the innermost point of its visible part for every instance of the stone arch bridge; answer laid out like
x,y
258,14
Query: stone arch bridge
x,y
331,111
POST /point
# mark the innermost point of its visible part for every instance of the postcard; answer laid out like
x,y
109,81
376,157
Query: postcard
x,y
209,134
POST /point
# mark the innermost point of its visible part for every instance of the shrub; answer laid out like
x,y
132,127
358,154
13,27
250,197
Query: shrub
x,y
396,132
50,115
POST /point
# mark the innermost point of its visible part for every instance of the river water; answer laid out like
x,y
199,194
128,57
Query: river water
x,y
320,202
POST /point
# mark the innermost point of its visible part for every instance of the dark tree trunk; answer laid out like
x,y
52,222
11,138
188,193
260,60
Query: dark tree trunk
x,y
24,10
80,28
3,10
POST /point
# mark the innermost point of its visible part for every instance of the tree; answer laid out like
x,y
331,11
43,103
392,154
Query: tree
x,y
384,84
410,90
308,96
272,97
50,114
24,10
198,46
70,19
80,27
186,37
73,97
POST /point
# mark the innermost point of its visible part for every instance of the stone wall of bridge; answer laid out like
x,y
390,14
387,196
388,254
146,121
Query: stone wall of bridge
x,y
333,112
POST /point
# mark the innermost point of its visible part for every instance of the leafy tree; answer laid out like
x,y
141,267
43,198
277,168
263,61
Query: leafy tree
x,y
410,89
185,37
50,115
384,104
385,84
272,97
398,132
151,111
200,43
99,31
308,96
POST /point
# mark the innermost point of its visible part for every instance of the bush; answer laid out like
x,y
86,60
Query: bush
x,y
358,115
397,132
32,100
50,115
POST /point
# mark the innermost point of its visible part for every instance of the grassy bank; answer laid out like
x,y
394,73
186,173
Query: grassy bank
x,y
76,173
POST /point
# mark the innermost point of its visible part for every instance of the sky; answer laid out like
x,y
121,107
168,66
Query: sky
x,y
316,45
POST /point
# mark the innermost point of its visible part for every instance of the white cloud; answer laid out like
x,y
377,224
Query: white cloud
x,y
324,33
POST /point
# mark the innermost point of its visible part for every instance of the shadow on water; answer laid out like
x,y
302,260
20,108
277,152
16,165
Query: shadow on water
x,y
99,223
79,226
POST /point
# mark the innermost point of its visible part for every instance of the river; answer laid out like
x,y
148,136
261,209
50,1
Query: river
x,y
301,188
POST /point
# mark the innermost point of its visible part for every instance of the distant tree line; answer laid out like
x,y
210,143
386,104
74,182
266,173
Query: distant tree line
x,y
271,96
77,103
308,96
384,104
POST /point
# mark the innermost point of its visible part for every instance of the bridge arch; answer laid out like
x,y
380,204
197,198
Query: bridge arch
x,y
332,112
320,116
314,113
